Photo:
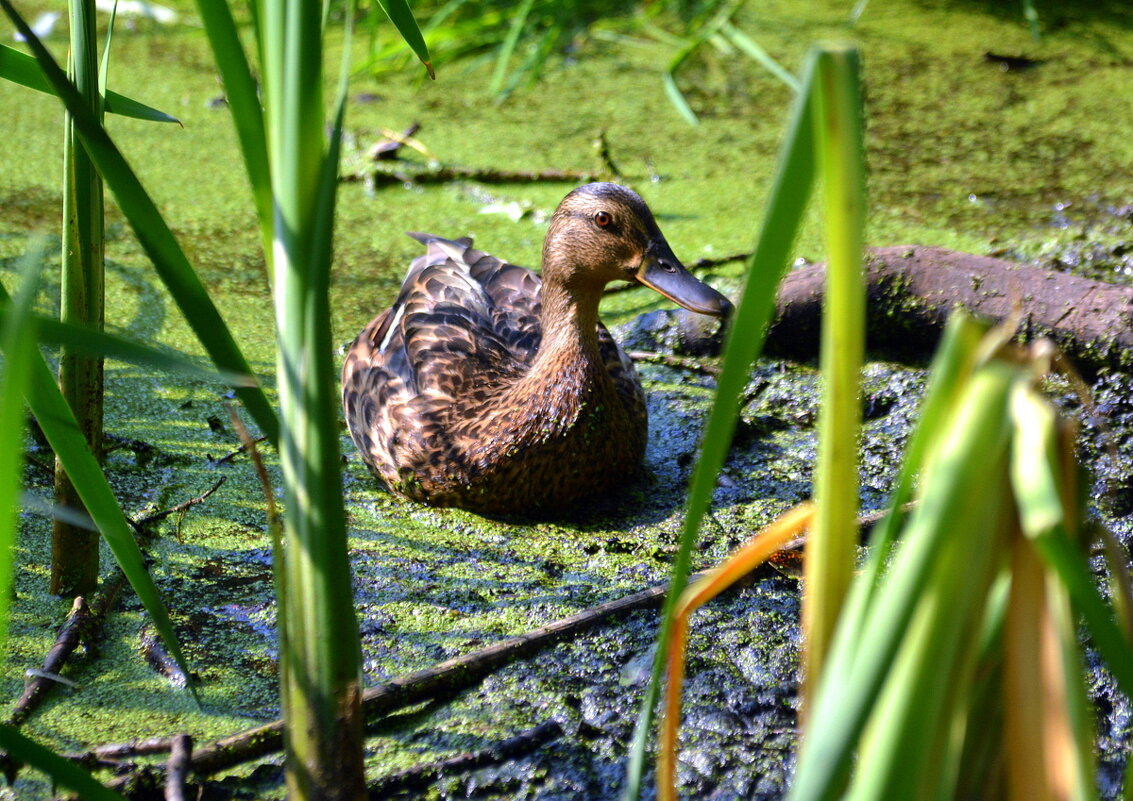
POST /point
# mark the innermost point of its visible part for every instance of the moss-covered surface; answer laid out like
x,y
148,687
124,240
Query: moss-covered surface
x,y
1033,163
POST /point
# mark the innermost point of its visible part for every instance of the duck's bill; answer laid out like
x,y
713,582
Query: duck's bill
x,y
671,279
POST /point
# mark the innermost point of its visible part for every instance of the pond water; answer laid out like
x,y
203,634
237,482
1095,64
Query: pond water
x,y
1031,163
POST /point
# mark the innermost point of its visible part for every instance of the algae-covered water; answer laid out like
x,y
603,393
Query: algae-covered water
x,y
1034,162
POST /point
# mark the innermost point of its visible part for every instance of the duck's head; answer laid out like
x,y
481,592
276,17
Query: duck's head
x,y
604,232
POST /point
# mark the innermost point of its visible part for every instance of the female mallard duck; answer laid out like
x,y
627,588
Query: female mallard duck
x,y
487,388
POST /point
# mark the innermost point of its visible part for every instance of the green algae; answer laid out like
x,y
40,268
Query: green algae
x,y
961,153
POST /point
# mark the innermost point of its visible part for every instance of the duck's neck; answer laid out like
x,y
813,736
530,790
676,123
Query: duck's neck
x,y
569,321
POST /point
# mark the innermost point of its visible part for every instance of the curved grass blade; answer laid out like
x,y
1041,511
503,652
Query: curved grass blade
x,y
786,207
60,770
402,18
758,54
1042,516
508,46
676,96
22,69
62,431
154,236
92,342
17,339
104,66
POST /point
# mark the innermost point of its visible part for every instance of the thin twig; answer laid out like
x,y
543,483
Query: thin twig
x,y
181,507
116,752
602,146
237,452
155,653
679,362
421,776
176,769
484,175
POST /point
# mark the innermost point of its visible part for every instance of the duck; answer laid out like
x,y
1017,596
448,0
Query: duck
x,y
493,388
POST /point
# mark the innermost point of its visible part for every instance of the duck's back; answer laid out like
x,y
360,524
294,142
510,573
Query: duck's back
x,y
422,376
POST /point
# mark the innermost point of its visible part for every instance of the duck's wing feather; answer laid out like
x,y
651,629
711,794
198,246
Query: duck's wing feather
x,y
458,319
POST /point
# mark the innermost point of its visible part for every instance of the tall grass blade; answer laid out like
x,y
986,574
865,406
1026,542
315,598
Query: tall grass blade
x,y
841,155
59,769
1036,482
669,79
786,206
22,69
18,337
244,102
62,431
402,18
155,237
508,46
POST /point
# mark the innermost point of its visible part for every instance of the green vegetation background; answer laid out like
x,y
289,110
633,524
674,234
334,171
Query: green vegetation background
x,y
961,152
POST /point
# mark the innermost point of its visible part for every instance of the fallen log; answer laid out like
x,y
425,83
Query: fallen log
x,y
912,290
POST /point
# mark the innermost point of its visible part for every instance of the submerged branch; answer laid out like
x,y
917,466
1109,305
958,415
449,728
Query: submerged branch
x,y
81,625
484,175
177,768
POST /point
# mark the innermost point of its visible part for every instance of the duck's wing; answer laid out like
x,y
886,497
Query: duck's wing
x,y
446,330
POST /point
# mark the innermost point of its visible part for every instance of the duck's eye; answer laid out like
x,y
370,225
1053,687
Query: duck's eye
x,y
603,219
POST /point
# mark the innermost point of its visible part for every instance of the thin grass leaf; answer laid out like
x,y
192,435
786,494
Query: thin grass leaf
x,y
22,69
29,752
244,103
669,79
1049,737
786,206
829,561
758,54
70,446
18,337
104,66
154,236
1121,583
508,46
948,376
402,18
92,342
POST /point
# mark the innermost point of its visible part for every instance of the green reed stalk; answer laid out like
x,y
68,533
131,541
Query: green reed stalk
x,y
74,550
841,157
320,655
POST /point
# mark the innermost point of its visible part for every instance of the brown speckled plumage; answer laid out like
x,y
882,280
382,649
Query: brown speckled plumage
x,y
489,388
